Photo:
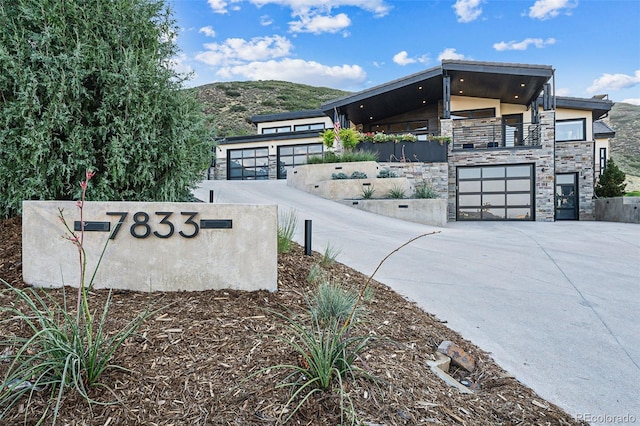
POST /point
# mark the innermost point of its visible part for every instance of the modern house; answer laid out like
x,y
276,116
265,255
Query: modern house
x,y
491,137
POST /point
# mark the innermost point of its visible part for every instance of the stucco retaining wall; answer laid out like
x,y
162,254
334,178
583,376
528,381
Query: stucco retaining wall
x,y
425,211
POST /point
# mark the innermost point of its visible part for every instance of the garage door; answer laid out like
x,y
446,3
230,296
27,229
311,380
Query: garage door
x,y
296,155
495,192
248,164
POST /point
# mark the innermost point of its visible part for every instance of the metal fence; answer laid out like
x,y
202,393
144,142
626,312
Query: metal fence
x,y
496,135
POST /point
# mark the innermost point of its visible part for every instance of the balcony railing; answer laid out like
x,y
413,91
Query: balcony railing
x,y
496,135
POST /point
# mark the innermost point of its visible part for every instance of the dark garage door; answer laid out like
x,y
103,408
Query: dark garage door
x,y
502,192
248,164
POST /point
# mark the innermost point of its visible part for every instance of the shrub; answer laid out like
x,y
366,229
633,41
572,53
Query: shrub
x,y
332,304
329,255
611,181
287,224
339,176
358,175
77,97
64,351
397,192
384,174
348,137
355,156
367,192
237,108
425,191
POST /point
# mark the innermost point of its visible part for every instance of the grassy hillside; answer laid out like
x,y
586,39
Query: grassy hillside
x,y
231,104
625,147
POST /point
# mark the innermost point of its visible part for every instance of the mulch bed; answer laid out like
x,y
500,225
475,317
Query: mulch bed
x,y
188,363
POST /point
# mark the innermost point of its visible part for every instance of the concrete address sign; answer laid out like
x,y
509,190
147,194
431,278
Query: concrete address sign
x,y
153,246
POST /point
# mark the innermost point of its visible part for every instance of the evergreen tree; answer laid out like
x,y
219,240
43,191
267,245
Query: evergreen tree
x,y
88,84
611,181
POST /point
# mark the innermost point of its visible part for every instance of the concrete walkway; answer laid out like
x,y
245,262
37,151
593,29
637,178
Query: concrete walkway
x,y
556,304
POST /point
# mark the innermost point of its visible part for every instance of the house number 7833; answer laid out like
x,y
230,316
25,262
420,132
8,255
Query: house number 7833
x,y
141,228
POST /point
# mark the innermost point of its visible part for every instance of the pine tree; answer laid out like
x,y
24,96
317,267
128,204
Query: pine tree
x,y
89,85
611,181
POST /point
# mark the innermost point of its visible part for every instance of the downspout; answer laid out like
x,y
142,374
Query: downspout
x,y
555,114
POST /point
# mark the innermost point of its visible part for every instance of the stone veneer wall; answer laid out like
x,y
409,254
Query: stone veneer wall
x,y
542,157
577,157
434,174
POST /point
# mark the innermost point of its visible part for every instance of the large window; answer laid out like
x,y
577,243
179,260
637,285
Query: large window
x,y
312,126
248,164
495,192
571,130
416,127
295,155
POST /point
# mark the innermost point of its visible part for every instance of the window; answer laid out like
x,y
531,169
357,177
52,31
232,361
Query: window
x,y
474,113
312,126
415,127
279,129
571,130
603,159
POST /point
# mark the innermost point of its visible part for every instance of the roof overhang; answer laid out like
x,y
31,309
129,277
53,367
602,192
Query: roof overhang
x,y
393,98
599,107
519,84
511,83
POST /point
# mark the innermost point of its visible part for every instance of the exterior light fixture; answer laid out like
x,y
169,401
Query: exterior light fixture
x,y
522,84
516,96
370,118
361,106
460,92
462,80
419,87
424,101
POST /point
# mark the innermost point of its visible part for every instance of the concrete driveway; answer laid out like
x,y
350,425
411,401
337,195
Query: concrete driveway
x,y
556,304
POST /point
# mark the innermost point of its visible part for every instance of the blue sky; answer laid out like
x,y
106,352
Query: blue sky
x,y
594,45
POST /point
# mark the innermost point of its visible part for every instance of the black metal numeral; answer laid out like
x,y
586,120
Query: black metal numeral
x,y
190,221
123,216
165,221
137,223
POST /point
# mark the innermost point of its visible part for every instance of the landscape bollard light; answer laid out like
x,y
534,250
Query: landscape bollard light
x,y
307,237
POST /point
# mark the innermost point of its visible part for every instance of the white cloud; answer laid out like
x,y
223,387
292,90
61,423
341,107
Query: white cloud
x,y
633,101
450,53
265,20
545,9
236,50
317,24
218,6
402,58
608,82
208,31
297,71
467,10
524,44
377,7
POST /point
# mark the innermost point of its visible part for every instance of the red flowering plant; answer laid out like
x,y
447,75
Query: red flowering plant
x,y
65,350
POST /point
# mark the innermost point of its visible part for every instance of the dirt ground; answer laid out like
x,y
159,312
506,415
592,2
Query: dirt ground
x,y
187,364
